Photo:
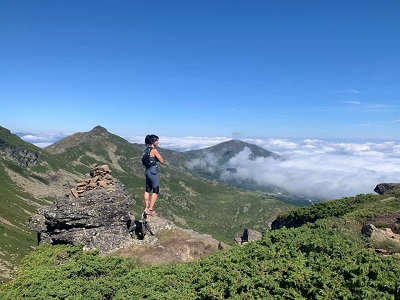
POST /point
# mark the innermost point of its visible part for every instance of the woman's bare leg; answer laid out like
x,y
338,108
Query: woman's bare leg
x,y
153,199
146,199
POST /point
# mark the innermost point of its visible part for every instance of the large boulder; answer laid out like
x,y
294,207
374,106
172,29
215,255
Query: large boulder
x,y
248,235
98,219
382,236
383,188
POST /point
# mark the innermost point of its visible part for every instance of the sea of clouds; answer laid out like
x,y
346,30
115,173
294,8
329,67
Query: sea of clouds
x,y
309,167
320,169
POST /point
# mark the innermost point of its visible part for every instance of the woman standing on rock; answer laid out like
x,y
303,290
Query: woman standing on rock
x,y
149,159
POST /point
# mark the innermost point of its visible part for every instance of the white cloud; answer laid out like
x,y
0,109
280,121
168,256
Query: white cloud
x,y
375,108
32,137
393,121
365,107
207,163
43,139
273,143
352,102
349,91
319,169
324,176
42,145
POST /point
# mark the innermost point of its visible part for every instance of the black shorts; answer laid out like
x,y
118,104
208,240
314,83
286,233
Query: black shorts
x,y
152,181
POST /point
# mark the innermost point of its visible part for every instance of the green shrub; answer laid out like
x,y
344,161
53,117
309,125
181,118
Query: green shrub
x,y
334,208
310,262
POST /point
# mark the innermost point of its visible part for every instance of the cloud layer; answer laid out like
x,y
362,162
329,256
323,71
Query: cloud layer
x,y
329,170
314,168
43,139
310,167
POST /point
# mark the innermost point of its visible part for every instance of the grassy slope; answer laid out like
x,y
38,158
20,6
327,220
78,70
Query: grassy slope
x,y
328,259
15,206
17,203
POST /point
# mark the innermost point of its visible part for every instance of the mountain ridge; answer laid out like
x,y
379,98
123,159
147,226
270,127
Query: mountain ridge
x,y
235,146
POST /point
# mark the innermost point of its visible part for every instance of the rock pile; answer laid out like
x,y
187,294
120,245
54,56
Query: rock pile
x,y
100,178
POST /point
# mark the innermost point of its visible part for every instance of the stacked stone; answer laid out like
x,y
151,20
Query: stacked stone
x,y
100,178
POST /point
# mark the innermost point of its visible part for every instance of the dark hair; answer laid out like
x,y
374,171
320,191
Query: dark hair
x,y
150,139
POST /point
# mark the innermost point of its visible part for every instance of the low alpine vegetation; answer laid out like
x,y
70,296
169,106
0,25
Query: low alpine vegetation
x,y
320,260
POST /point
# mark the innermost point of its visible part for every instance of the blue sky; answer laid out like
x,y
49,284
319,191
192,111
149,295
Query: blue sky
x,y
314,81
244,69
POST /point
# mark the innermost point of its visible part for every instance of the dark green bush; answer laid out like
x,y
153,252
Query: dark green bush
x,y
334,208
312,262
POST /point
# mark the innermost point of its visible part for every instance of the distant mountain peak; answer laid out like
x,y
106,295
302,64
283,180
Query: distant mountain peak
x,y
97,138
99,130
235,142
230,148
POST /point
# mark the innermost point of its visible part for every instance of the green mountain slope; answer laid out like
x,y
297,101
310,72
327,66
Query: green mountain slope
x,y
32,177
325,259
23,167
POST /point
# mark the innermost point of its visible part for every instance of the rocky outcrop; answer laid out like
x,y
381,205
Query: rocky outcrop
x,y
98,218
162,242
248,235
383,188
376,234
383,238
22,157
13,148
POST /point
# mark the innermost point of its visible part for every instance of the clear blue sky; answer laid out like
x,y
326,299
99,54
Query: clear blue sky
x,y
296,69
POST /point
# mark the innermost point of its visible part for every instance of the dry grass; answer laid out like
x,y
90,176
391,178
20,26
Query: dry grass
x,y
173,246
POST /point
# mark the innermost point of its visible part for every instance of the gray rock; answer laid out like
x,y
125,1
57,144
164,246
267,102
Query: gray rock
x,y
22,157
98,219
383,188
376,234
248,235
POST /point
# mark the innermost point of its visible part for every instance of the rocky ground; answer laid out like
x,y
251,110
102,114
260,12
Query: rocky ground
x,y
169,244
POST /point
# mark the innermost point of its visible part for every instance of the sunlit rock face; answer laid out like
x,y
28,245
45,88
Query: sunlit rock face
x,y
98,219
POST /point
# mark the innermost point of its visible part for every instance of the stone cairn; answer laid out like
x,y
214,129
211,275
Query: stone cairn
x,y
100,178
